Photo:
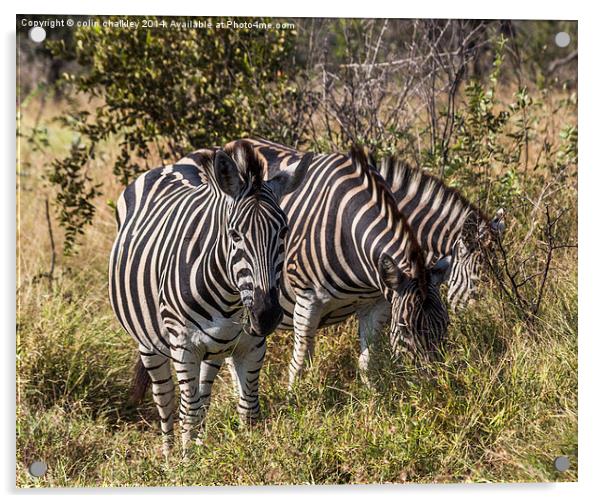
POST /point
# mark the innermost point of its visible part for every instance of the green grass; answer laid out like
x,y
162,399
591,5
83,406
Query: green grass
x,y
499,407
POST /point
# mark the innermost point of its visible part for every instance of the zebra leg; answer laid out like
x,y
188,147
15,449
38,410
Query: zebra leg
x,y
306,319
187,362
209,371
372,320
246,367
159,371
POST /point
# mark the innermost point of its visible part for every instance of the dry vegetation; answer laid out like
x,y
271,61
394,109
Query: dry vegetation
x,y
500,406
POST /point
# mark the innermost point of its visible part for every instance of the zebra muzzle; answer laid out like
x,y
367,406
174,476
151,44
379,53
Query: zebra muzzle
x,y
266,313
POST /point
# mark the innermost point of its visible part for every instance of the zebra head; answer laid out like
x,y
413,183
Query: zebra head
x,y
256,228
419,317
468,256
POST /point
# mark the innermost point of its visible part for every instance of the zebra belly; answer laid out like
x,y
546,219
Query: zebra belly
x,y
333,311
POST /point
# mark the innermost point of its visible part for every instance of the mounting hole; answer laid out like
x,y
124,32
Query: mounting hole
x,y
37,34
562,39
38,469
562,463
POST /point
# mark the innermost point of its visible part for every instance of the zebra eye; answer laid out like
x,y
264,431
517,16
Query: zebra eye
x,y
283,232
235,236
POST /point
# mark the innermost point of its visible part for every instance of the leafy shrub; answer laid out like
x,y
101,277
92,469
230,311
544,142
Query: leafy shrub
x,y
167,91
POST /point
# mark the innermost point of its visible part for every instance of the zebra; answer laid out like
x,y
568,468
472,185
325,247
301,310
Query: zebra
x,y
451,231
199,250
446,224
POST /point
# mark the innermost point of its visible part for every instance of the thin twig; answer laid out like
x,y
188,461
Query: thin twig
x,y
51,236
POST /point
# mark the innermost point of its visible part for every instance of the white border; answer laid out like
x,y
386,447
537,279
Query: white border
x,y
515,9
590,337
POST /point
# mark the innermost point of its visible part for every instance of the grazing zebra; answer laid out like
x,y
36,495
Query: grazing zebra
x,y
200,245
445,224
450,230
348,247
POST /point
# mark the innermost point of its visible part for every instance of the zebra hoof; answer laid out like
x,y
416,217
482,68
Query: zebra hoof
x,y
291,398
165,451
247,422
186,452
367,382
167,443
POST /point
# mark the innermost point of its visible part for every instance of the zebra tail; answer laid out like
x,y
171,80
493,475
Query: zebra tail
x,y
140,384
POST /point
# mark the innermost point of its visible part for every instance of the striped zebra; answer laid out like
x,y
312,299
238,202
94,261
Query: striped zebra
x,y
446,225
451,231
200,247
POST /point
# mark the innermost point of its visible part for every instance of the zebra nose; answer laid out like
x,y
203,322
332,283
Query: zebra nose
x,y
265,322
266,313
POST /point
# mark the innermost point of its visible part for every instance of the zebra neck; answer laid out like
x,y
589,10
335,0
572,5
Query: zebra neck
x,y
435,212
221,257
378,229
205,244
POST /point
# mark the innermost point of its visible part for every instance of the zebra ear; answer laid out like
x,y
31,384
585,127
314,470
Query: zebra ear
x,y
440,271
227,174
389,272
497,223
285,183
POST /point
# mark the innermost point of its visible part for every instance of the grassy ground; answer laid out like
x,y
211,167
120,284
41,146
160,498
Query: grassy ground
x,y
500,407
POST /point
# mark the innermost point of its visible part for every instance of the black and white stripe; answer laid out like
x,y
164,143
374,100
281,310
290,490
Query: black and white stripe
x,y
200,248
348,248
445,224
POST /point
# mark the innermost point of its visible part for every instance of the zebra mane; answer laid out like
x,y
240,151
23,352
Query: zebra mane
x,y
413,251
251,165
249,162
406,180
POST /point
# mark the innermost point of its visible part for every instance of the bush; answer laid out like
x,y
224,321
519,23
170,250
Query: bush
x,y
167,91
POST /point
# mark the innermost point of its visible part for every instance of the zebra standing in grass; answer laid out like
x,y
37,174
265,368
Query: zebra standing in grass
x,y
451,231
200,243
